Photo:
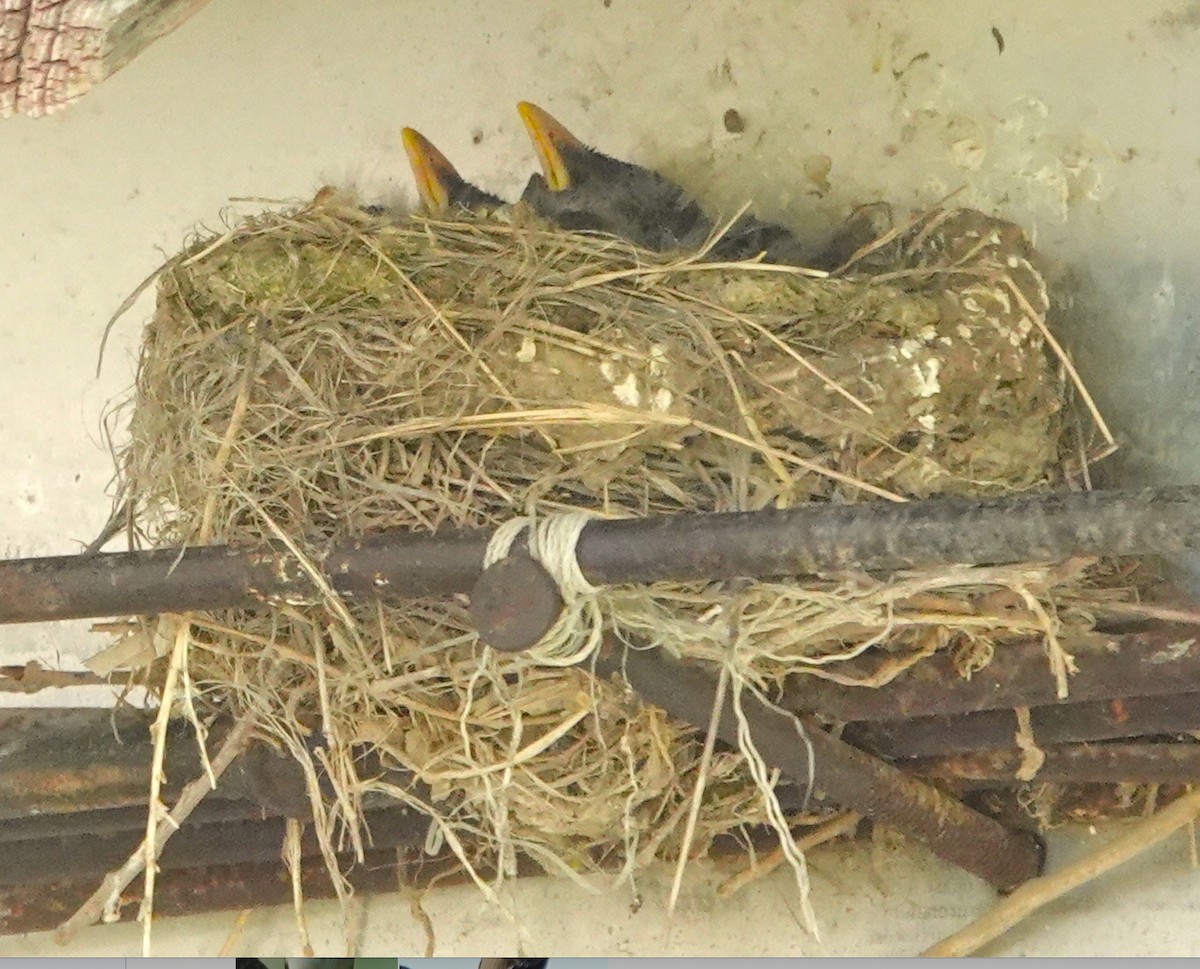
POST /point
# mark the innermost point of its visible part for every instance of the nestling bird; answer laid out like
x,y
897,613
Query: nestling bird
x,y
583,188
441,189
598,194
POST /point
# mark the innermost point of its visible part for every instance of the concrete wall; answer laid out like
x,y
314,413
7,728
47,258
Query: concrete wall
x,y
1085,128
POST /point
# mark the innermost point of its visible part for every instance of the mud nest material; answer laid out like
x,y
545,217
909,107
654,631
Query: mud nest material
x,y
325,373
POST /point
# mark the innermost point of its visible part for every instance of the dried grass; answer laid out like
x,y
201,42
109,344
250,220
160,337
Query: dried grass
x,y
322,374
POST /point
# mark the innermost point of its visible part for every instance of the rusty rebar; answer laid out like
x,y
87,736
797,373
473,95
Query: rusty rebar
x,y
227,841
800,749
1093,720
59,762
1146,763
807,539
1161,660
187,890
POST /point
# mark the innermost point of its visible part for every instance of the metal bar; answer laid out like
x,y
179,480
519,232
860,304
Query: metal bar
x,y
1090,721
66,773
191,890
39,908
808,539
56,762
229,841
1008,802
800,748
106,821
1161,763
1162,660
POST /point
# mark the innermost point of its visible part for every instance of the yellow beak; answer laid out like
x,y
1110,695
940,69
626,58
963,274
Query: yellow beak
x,y
550,141
431,170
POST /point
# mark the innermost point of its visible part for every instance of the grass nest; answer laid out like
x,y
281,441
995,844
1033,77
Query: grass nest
x,y
324,373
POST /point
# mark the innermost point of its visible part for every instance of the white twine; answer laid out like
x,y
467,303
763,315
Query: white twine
x,y
552,540
765,782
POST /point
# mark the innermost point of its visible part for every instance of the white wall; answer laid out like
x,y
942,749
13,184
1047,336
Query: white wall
x,y
1086,129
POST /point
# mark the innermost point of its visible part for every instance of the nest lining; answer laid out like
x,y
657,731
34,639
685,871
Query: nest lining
x,y
322,374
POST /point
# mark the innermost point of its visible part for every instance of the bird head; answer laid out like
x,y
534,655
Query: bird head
x,y
440,187
567,163
582,188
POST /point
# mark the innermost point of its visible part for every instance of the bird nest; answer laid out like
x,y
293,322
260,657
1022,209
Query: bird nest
x,y
322,374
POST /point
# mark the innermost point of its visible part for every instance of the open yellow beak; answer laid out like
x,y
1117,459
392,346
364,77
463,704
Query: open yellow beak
x,y
431,170
550,141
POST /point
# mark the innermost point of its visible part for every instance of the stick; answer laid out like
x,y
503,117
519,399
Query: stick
x,y
835,828
1034,894
710,742
117,881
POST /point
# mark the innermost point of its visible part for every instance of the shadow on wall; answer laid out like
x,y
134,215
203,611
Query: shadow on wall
x,y
1133,327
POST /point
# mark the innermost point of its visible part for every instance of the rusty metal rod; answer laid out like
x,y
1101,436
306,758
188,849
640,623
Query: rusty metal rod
x,y
106,821
811,538
61,762
845,775
1162,660
1071,722
66,773
1160,763
37,861
191,890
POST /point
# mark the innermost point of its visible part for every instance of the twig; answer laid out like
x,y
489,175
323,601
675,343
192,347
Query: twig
x,y
1039,892
689,831
1039,320
158,731
414,895
835,828
127,305
116,521
291,858
117,881
233,941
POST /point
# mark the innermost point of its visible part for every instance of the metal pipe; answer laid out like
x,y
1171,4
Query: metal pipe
x,y
60,762
807,539
843,774
188,891
44,861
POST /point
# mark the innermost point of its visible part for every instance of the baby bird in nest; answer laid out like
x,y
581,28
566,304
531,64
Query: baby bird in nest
x,y
583,189
441,189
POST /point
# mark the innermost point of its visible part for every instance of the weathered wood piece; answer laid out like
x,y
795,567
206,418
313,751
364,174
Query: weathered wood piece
x,y
54,51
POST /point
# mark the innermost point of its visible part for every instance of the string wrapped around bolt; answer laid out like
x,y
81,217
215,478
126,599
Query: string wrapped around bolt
x,y
552,540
